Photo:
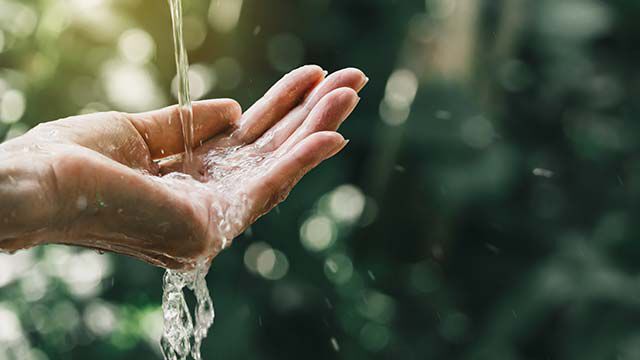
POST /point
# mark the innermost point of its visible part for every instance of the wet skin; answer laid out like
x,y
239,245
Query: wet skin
x,y
100,181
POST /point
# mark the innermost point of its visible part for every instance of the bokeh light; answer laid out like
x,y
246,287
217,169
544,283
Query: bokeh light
x,y
137,46
318,233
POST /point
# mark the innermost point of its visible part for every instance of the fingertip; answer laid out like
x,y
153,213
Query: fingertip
x,y
314,72
307,71
343,100
217,104
328,136
350,78
231,103
355,69
360,78
324,143
234,110
227,111
339,143
348,93
312,68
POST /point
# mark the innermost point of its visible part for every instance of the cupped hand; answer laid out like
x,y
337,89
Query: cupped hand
x,y
113,181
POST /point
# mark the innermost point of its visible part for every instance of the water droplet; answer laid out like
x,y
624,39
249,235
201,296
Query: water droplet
x,y
335,345
543,173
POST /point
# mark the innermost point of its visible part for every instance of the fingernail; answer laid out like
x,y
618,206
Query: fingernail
x,y
336,149
340,147
365,81
344,145
325,72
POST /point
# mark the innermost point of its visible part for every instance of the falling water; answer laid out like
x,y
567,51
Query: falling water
x,y
181,336
184,97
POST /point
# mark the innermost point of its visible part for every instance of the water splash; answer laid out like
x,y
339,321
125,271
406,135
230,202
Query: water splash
x,y
224,169
181,336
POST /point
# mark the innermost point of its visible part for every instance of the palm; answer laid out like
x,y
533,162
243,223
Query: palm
x,y
251,166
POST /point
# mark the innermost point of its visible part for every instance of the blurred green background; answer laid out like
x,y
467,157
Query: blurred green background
x,y
484,208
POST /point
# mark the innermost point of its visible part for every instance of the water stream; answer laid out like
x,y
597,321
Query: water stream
x,y
184,96
181,337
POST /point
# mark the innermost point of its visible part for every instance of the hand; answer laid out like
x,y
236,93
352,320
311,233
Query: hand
x,y
96,180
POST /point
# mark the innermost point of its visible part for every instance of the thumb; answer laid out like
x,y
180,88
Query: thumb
x,y
162,129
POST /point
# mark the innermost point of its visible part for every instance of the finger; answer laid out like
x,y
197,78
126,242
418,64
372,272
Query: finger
x,y
349,78
277,102
332,110
275,185
162,129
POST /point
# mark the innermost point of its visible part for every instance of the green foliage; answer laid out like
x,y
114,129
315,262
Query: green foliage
x,y
484,208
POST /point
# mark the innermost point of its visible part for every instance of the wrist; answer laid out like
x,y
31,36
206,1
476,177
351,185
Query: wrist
x,y
25,205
